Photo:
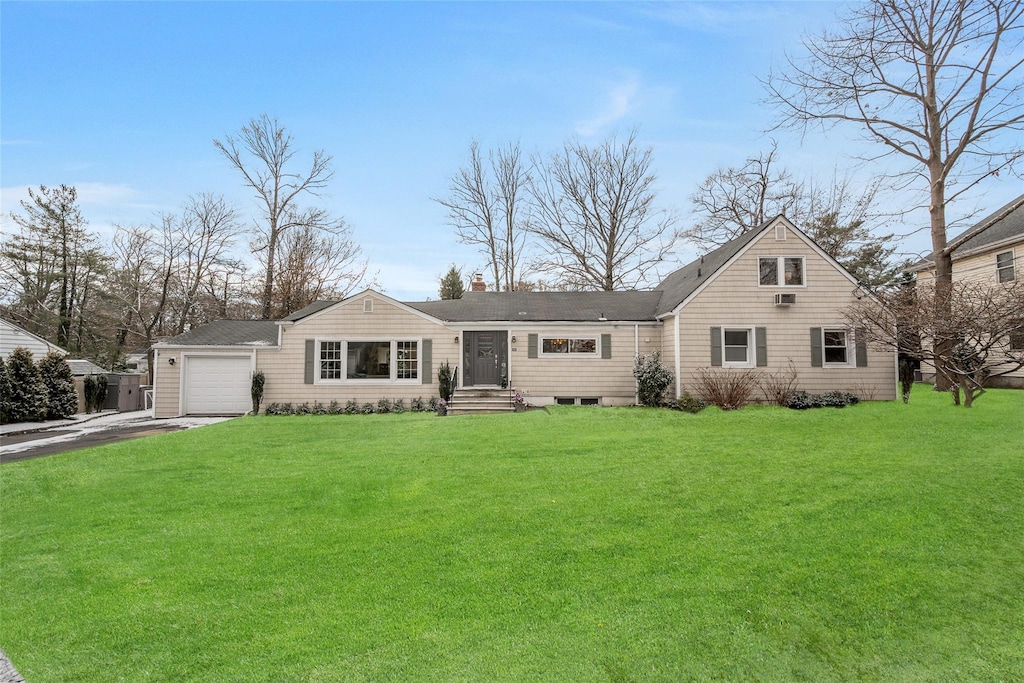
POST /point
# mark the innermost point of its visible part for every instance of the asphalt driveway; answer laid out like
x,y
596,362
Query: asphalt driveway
x,y
87,431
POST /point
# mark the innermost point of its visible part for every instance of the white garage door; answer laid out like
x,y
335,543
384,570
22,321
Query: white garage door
x,y
217,385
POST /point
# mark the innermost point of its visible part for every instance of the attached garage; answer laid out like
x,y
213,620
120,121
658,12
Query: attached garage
x,y
217,384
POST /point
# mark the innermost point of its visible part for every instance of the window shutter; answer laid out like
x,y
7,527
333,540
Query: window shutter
x,y
310,359
716,347
426,365
761,339
606,346
531,346
816,354
862,348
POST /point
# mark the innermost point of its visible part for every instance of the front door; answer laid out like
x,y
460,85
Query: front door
x,y
484,358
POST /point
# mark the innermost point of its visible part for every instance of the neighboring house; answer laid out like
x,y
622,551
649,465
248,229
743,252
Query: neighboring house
x,y
81,368
767,299
13,336
990,252
138,361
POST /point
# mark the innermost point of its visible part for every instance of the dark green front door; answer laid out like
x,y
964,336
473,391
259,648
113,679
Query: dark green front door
x,y
484,358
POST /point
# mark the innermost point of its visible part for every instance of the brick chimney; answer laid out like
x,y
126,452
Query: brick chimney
x,y
478,285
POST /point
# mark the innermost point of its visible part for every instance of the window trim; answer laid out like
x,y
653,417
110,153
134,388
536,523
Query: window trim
x,y
851,349
780,271
751,360
1011,267
541,353
393,364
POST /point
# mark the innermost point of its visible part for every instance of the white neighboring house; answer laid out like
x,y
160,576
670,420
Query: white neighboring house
x,y
12,336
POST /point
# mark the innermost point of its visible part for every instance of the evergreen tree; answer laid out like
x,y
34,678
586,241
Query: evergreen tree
x,y
5,393
28,392
451,284
62,400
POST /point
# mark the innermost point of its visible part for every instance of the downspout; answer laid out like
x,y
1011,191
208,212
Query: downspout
x,y
675,324
636,354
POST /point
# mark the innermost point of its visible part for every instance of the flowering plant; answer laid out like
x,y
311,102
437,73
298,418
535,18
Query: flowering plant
x,y
517,401
442,406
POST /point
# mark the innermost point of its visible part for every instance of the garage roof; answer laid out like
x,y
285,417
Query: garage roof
x,y
228,333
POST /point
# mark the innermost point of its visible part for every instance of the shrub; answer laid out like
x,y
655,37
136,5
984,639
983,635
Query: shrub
x,y
279,409
28,392
906,378
100,396
398,406
256,390
831,399
351,407
778,387
61,397
384,406
432,403
518,402
367,409
334,408
441,406
444,381
319,408
652,378
416,405
5,393
689,403
727,389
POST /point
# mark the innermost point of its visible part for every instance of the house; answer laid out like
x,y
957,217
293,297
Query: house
x,y
12,336
764,300
990,252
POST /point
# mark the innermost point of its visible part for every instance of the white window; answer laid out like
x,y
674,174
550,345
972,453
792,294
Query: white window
x,y
1004,267
371,361
780,271
330,360
565,345
835,346
737,347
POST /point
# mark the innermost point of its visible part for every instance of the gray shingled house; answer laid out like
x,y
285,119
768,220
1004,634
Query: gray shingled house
x,y
768,298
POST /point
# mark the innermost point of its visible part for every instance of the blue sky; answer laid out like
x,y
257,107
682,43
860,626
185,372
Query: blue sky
x,y
124,99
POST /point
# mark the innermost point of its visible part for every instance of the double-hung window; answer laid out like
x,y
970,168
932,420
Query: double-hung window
x,y
781,271
1004,267
737,347
835,347
330,360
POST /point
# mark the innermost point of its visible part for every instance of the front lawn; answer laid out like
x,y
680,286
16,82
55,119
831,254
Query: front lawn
x,y
877,542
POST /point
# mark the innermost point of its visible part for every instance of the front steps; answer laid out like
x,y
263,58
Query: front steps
x,y
474,401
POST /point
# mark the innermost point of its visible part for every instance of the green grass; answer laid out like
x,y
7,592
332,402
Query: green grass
x,y
877,542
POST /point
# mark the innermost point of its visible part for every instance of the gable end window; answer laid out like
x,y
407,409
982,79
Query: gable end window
x,y
1004,267
780,271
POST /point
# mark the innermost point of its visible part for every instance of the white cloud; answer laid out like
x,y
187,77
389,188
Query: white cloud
x,y
619,102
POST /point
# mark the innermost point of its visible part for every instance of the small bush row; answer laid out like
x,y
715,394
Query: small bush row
x,y
353,407
831,399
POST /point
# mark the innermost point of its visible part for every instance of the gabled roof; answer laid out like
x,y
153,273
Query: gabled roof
x,y
15,335
312,308
1003,225
677,286
228,333
543,306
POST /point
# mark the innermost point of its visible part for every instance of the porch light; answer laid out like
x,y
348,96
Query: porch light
x,y
170,361
513,339
456,339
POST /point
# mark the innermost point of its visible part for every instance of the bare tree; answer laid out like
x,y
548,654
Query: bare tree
x,y
205,234
732,200
934,82
313,265
488,206
262,153
596,221
973,329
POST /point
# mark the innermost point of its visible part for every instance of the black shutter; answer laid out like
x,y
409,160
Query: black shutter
x,y
716,347
426,365
816,353
606,346
310,360
761,337
531,346
862,348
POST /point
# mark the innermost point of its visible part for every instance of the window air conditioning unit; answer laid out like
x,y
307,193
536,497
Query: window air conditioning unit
x,y
785,299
